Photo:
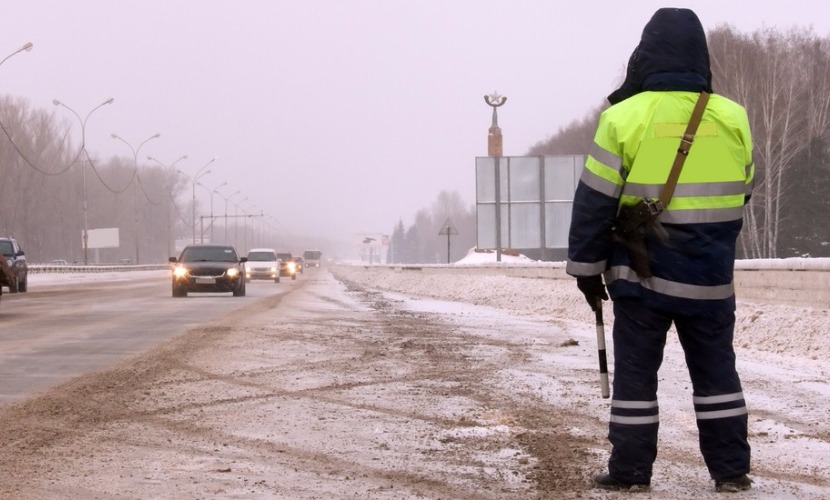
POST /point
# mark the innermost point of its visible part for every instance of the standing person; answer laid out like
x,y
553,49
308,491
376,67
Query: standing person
x,y
691,258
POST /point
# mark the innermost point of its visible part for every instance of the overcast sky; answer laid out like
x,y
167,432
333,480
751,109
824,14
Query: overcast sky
x,y
340,116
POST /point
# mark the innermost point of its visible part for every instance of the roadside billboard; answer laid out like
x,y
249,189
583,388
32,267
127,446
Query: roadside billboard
x,y
102,238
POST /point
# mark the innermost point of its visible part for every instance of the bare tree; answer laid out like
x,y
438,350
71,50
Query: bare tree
x,y
575,139
421,243
41,192
765,73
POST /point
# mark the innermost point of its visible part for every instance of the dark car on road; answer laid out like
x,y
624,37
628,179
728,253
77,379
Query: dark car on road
x,y
16,275
208,269
300,264
288,267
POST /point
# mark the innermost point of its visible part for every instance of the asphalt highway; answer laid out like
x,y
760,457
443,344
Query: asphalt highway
x,y
57,331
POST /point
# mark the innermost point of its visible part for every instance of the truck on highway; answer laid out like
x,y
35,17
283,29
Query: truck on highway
x,y
313,258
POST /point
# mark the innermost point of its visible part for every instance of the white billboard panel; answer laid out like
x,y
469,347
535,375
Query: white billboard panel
x,y
102,238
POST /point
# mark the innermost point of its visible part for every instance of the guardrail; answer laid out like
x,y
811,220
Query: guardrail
x,y
95,268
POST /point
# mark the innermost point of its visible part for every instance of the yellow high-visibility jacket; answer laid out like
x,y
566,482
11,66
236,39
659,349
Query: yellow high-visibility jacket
x,y
634,147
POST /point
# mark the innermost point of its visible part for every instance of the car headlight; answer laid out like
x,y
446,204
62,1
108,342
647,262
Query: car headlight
x,y
180,271
233,272
273,269
292,267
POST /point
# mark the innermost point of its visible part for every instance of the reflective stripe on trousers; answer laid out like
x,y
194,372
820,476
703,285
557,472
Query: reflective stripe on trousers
x,y
639,338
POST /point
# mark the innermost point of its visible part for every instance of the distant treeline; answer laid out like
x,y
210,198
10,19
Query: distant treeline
x,y
42,194
422,243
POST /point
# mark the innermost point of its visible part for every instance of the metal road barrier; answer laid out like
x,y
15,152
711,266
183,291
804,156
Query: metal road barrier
x,y
93,268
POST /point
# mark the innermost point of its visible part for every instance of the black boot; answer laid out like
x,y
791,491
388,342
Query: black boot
x,y
733,484
607,482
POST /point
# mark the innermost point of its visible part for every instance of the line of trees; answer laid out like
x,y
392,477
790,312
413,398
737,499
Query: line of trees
x,y
41,193
783,80
421,243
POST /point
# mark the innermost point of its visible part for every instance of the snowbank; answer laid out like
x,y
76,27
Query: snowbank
x,y
763,325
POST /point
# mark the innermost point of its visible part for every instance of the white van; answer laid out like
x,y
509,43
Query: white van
x,y
262,264
313,258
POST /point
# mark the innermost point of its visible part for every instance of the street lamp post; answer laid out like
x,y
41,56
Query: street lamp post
x,y
275,229
211,208
255,229
247,215
236,220
226,211
137,180
26,47
170,208
196,177
245,229
83,167
194,180
247,220
202,217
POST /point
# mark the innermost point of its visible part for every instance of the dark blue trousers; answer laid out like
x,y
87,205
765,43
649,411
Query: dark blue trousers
x,y
639,338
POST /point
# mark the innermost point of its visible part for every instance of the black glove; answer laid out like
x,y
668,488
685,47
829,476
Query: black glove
x,y
592,288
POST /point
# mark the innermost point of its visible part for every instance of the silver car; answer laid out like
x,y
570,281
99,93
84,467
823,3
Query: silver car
x,y
263,264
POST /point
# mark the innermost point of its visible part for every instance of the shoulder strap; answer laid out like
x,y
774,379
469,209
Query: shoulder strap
x,y
683,150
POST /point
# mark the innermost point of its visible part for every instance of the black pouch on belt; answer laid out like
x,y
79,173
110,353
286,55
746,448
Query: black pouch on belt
x,y
630,229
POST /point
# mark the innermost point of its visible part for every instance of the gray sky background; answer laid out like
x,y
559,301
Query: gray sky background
x,y
336,117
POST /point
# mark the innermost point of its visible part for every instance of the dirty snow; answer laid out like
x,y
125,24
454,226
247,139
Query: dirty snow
x,y
781,349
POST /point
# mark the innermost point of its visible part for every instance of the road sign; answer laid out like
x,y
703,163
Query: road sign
x,y
447,228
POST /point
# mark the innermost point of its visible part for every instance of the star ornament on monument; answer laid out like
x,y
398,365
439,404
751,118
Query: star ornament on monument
x,y
495,99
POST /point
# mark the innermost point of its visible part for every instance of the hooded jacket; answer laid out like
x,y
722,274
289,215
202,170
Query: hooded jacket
x,y
634,146
672,55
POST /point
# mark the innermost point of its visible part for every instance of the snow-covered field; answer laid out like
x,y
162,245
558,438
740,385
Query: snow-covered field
x,y
782,359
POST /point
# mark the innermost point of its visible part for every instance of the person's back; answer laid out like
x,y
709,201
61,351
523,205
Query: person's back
x,y
705,215
680,271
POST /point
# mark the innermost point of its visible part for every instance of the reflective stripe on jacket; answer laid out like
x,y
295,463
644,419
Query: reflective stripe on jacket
x,y
634,147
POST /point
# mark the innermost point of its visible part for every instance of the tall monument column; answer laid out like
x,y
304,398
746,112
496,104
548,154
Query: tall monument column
x,y
494,149
494,138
